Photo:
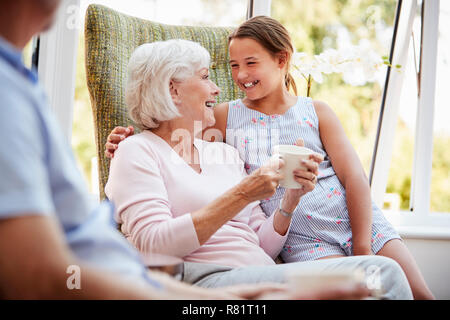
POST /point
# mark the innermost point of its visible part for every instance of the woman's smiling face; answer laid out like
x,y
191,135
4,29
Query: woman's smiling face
x,y
254,69
196,96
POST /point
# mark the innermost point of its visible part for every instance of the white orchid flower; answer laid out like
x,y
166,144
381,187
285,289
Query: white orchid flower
x,y
366,61
357,64
306,66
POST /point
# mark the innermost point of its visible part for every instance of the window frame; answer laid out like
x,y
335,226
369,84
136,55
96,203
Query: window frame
x,y
419,214
258,8
57,63
383,148
423,146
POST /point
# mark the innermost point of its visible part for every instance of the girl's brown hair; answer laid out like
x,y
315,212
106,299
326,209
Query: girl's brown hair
x,y
271,34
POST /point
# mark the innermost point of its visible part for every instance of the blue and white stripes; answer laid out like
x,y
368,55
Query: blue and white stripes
x,y
320,225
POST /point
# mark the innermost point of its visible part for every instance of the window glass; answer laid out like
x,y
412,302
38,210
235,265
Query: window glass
x,y
193,12
440,176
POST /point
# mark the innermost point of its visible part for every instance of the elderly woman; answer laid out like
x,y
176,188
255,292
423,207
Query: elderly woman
x,y
180,196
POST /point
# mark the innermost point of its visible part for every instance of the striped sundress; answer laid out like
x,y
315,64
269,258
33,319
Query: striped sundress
x,y
320,225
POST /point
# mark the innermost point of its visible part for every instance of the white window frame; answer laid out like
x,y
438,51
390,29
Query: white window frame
x,y
57,63
389,117
258,8
419,221
423,147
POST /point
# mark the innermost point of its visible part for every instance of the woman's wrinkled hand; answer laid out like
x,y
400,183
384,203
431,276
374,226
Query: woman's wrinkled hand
x,y
263,182
117,134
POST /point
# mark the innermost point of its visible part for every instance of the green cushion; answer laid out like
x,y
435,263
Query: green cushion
x,y
110,39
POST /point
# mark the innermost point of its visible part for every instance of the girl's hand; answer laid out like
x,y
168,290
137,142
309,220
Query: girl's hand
x,y
307,178
117,134
263,182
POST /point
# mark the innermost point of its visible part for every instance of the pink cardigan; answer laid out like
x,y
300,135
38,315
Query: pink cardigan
x,y
154,191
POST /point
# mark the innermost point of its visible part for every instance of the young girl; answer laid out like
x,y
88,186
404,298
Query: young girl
x,y
338,217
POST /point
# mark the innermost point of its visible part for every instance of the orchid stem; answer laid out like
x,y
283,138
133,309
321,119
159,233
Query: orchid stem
x,y
308,90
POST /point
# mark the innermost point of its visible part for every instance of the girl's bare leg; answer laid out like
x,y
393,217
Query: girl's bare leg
x,y
397,250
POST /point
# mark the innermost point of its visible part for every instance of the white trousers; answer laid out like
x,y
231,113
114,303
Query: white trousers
x,y
392,279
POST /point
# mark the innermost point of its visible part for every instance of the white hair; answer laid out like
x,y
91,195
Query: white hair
x,y
151,68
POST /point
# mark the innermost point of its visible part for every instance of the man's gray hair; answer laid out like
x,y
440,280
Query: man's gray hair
x,y
151,68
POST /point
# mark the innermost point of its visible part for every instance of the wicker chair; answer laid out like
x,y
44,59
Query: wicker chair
x,y
110,39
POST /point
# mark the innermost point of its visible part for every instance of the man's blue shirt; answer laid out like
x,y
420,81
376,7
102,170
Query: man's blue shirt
x,y
39,176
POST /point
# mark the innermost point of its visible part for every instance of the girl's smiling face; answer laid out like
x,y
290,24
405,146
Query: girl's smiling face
x,y
254,69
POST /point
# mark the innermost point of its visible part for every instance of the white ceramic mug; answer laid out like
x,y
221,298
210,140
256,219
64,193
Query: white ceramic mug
x,y
292,156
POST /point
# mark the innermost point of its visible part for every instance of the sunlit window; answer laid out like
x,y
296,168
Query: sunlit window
x,y
440,178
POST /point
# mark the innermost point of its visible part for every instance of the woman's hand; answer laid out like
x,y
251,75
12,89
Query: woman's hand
x,y
263,182
306,177
117,134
